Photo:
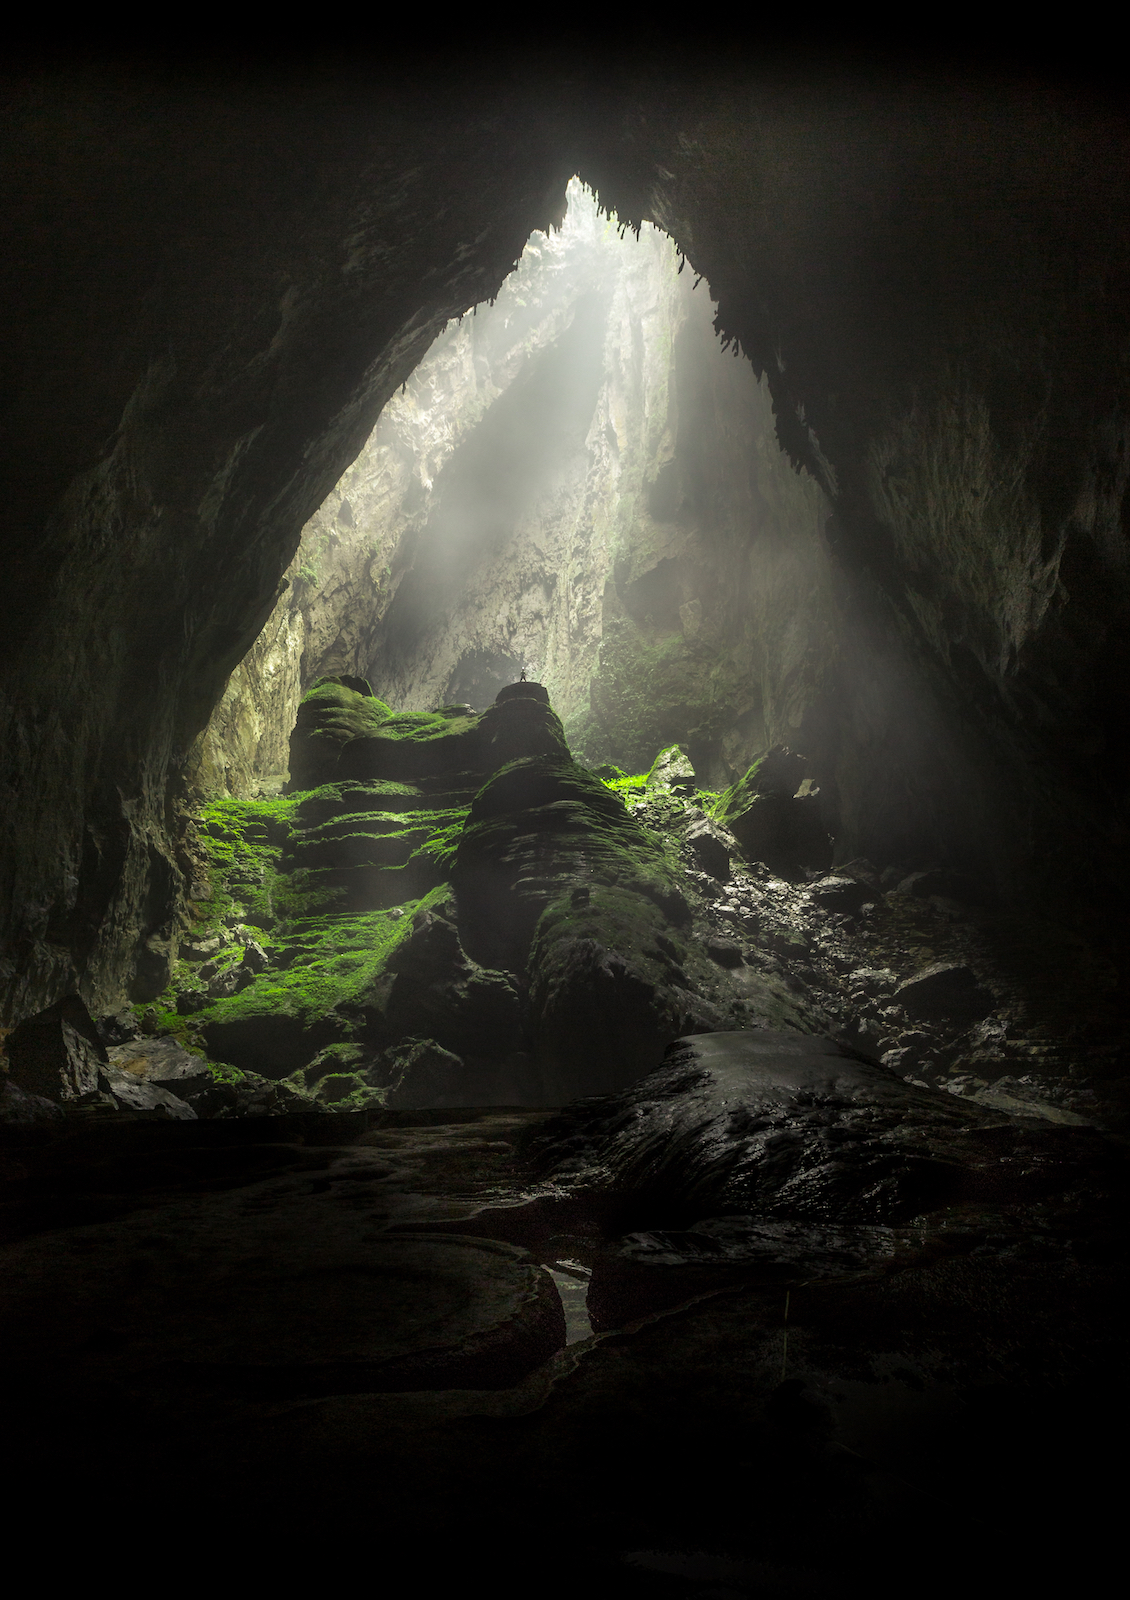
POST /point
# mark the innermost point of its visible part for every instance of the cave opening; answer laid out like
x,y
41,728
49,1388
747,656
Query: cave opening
x,y
579,483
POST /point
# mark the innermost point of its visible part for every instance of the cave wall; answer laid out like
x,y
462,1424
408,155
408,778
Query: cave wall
x,y
216,285
932,275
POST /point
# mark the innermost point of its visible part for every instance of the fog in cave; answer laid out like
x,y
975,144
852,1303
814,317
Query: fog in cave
x,y
564,686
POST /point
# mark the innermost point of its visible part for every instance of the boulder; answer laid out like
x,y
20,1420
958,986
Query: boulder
x,y
776,815
438,992
57,1053
841,893
774,1125
724,951
946,990
133,1094
332,713
163,1062
255,958
540,827
21,1110
709,850
426,1075
672,769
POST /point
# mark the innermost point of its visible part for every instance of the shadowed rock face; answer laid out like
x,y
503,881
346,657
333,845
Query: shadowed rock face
x,y
783,1126
216,290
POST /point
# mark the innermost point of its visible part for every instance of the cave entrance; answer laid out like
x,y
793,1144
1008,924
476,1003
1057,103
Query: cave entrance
x,y
577,482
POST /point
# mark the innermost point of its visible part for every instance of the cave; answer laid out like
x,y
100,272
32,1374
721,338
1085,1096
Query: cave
x,y
564,702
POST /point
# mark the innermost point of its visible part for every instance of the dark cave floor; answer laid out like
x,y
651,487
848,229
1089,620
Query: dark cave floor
x,y
313,1332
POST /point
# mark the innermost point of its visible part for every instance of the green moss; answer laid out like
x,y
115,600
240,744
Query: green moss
x,y
330,715
625,785
422,727
334,960
442,844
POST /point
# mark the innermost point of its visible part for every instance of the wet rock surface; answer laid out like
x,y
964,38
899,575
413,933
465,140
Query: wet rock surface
x,y
777,1125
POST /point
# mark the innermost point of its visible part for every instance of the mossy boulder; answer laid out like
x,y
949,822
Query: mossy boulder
x,y
431,988
282,1020
413,745
609,990
672,769
333,713
776,814
541,825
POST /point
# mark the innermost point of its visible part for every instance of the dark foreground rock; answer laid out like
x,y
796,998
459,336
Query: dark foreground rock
x,y
343,1319
779,1125
57,1053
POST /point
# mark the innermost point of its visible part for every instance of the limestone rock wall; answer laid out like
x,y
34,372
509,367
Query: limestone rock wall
x,y
218,285
933,281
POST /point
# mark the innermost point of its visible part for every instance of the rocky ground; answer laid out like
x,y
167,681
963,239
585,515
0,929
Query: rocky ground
x,y
516,1152
491,1342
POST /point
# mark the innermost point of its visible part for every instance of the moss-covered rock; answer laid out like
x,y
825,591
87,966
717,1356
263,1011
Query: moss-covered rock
x,y
672,769
541,825
470,886
609,990
413,745
286,1016
776,814
334,712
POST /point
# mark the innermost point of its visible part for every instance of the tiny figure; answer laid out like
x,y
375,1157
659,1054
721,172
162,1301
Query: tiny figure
x,y
522,678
